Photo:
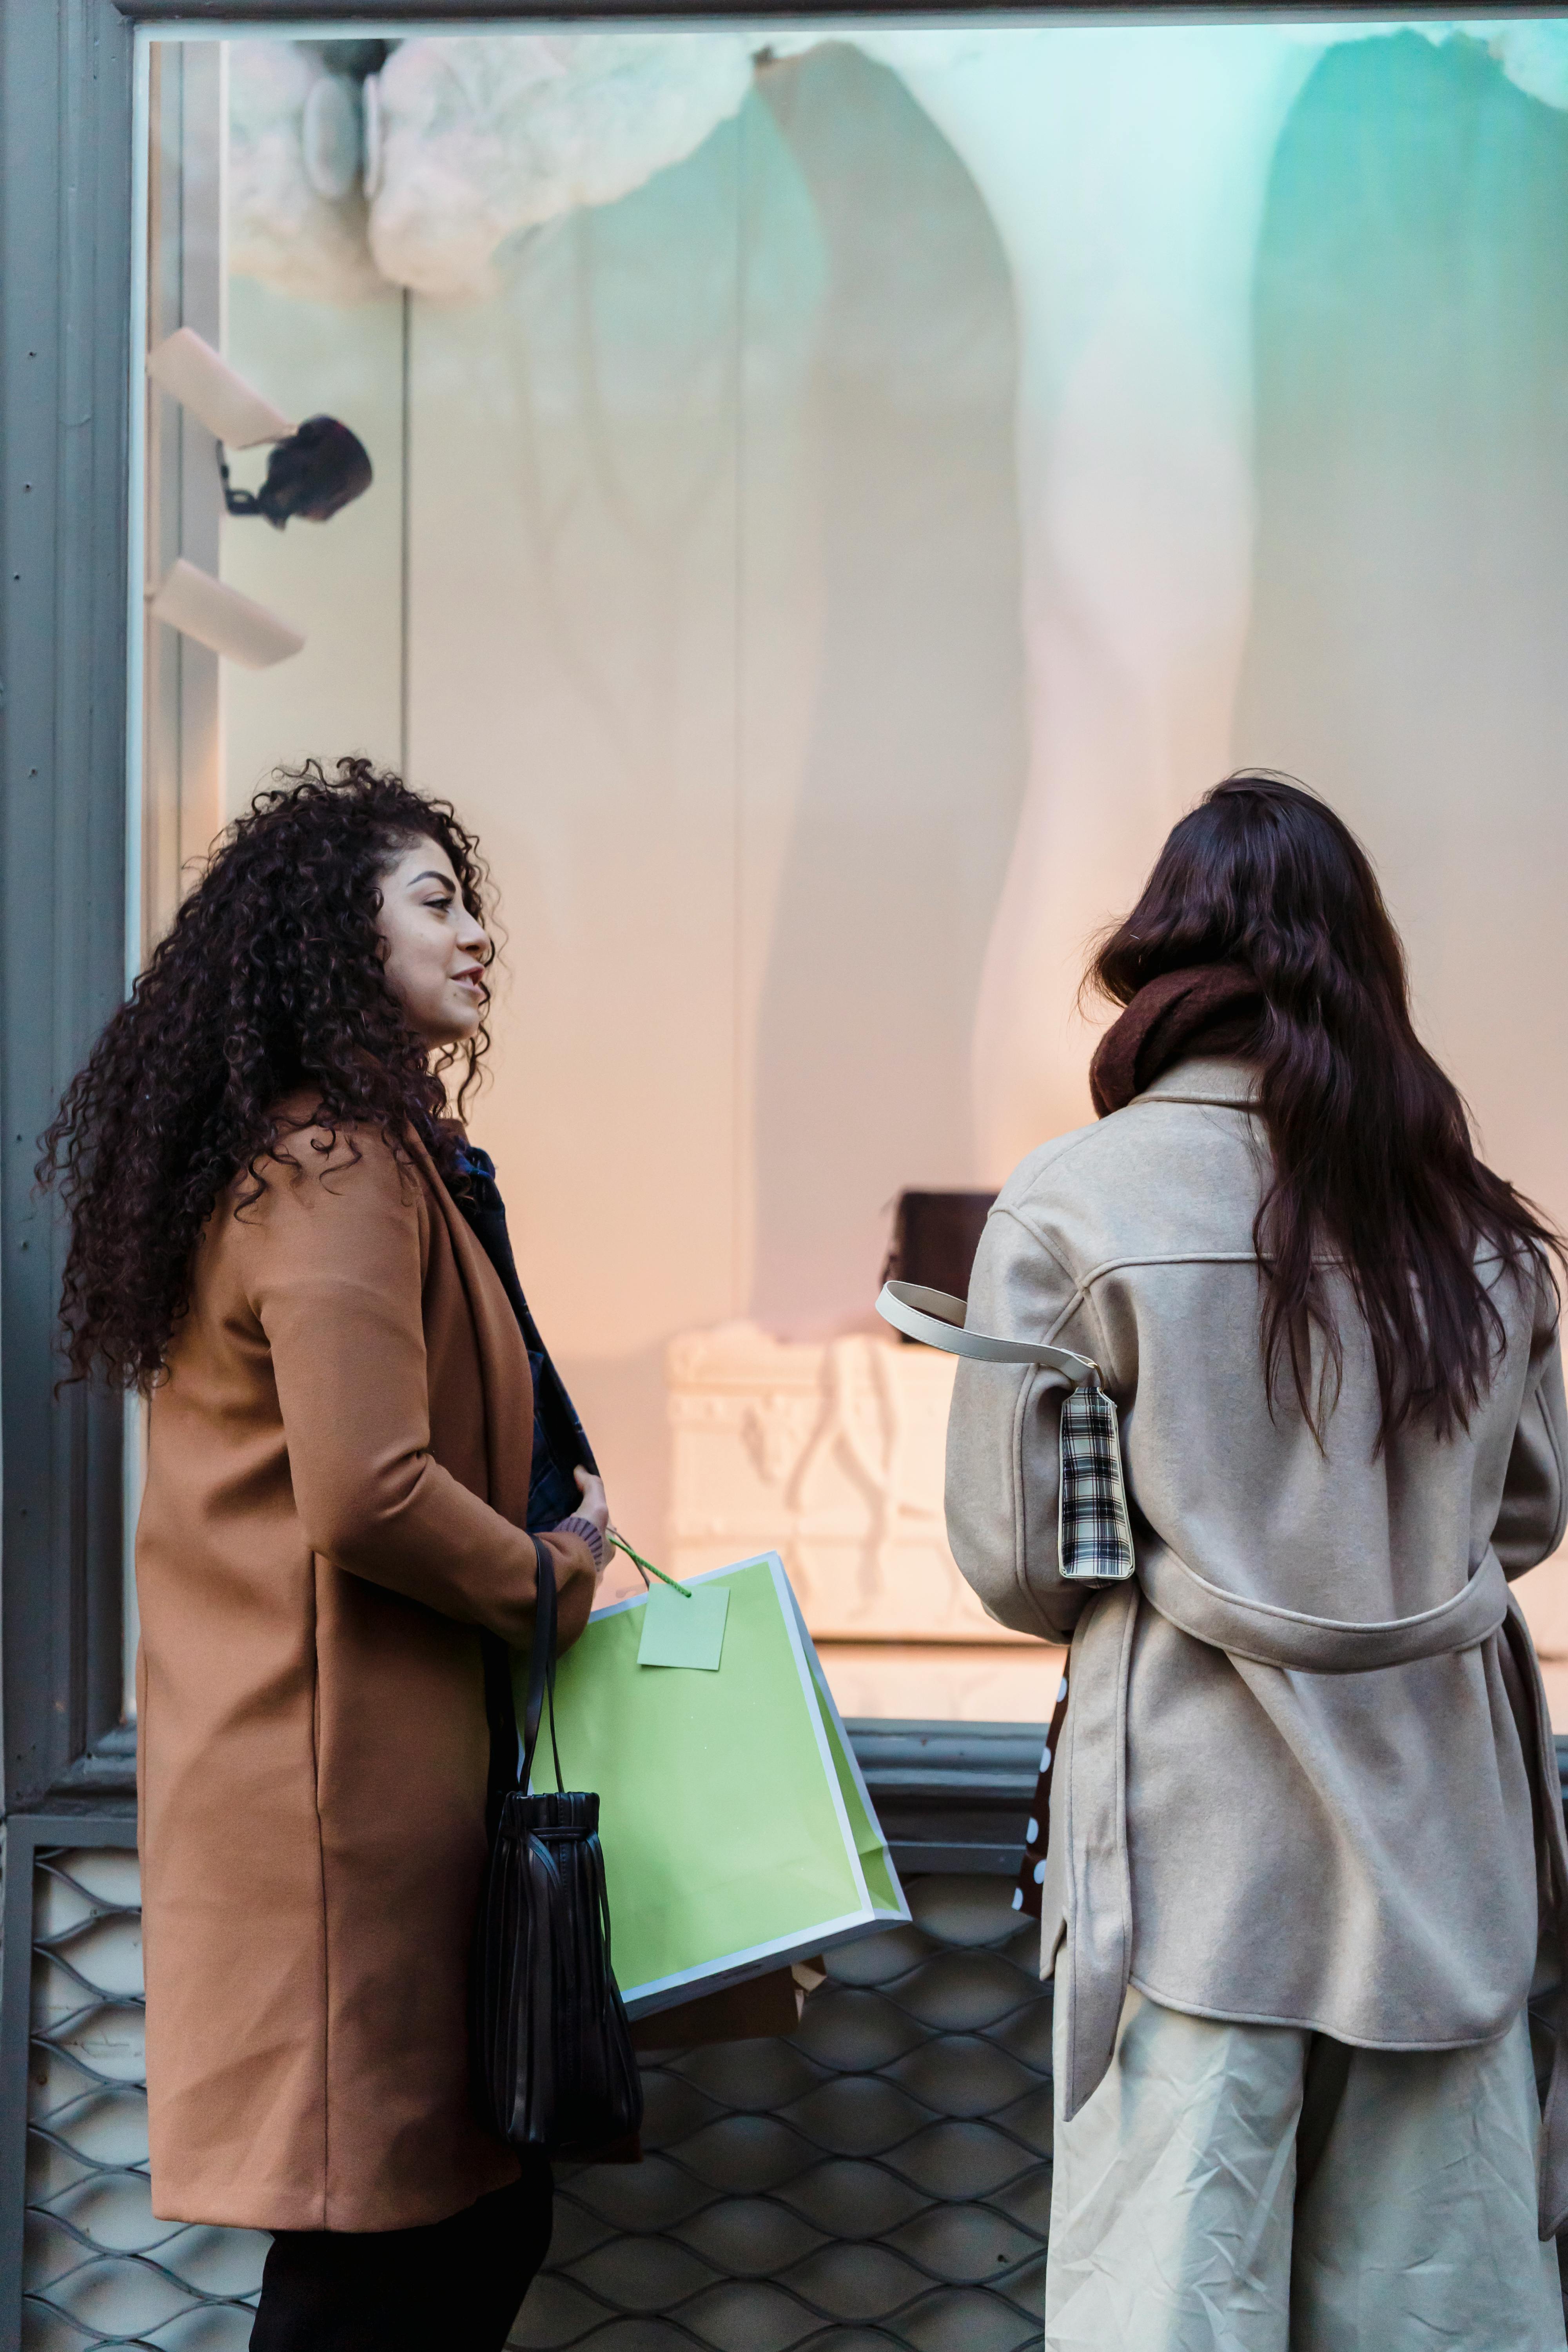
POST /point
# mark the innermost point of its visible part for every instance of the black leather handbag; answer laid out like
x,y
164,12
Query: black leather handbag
x,y
553,2062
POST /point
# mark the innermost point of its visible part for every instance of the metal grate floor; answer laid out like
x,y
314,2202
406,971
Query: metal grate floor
x,y
98,2269
880,2178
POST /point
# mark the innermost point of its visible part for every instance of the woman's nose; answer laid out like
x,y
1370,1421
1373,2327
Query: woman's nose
x,y
473,936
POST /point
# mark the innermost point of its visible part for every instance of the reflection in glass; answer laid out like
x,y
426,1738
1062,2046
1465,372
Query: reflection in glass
x,y
834,503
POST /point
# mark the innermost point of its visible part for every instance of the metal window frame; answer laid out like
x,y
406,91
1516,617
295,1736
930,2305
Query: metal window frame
x,y
67,70
65,131
951,1796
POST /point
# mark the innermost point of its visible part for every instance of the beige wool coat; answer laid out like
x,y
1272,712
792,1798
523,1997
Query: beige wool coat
x,y
337,1478
1304,1747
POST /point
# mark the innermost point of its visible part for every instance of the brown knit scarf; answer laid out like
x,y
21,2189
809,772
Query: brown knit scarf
x,y
1213,1008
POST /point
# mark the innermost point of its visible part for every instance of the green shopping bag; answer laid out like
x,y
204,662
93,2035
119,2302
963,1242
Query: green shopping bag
x,y
738,1834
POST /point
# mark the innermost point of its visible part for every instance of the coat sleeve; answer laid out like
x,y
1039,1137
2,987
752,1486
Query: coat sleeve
x,y
335,1275
1003,1435
1534,1506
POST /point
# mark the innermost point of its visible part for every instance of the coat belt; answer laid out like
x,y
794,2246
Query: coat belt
x,y
1098,1890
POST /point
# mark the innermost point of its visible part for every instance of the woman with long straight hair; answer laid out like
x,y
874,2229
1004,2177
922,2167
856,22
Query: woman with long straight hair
x,y
1306,1852
279,1233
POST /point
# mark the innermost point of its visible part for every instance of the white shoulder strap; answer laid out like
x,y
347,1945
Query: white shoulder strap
x,y
937,1318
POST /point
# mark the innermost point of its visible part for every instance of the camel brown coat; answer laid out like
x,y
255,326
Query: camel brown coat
x,y
337,1478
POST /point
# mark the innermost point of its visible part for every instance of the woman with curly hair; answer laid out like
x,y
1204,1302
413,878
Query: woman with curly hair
x,y
281,1236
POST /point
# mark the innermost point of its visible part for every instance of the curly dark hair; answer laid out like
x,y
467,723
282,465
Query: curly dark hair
x,y
270,979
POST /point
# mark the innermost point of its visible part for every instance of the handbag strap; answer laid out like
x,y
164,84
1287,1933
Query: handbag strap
x,y
501,1706
936,1317
540,1668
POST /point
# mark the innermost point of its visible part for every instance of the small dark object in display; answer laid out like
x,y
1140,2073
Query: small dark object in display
x,y
935,1236
553,2061
319,469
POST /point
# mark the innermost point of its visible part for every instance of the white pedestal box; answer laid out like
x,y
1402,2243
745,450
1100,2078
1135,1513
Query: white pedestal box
x,y
830,1453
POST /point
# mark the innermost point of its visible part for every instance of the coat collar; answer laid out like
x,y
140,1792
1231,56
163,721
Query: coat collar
x,y
1204,1078
506,1376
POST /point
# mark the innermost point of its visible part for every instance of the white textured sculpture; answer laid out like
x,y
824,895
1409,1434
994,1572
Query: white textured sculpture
x,y
296,209
482,137
1534,54
833,1453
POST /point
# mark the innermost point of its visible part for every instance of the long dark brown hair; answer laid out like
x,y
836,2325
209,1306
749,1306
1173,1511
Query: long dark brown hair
x,y
1372,1161
269,979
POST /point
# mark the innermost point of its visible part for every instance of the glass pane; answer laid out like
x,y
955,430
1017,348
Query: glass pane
x,y
835,503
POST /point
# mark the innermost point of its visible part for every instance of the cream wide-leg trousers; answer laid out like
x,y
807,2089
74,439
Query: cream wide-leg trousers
x,y
1256,2188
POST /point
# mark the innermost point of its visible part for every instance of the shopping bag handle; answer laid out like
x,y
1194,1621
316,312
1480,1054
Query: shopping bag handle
x,y
937,1319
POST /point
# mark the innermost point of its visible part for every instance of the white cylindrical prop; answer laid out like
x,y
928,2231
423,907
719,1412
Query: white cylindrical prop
x,y
206,384
199,606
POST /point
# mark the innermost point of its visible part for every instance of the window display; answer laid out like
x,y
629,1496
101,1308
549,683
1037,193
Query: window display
x,y
820,505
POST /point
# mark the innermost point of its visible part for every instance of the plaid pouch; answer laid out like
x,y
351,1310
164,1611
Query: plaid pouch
x,y
1094,1534
1094,1530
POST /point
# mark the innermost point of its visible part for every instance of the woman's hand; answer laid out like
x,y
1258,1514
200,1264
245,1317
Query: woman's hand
x,y
594,1506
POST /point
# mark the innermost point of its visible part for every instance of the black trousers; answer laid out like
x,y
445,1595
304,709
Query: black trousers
x,y
451,2286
